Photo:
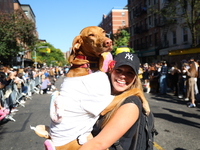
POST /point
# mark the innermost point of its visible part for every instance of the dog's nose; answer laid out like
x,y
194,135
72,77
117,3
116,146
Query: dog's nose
x,y
108,42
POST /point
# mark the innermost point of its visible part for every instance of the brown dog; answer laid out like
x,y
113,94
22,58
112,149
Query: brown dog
x,y
86,58
86,51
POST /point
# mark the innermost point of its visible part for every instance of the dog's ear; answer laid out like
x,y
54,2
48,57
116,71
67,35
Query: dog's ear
x,y
76,43
75,46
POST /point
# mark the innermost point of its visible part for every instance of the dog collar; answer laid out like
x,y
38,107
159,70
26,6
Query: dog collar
x,y
93,64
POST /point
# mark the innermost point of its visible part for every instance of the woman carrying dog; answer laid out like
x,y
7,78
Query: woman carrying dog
x,y
120,124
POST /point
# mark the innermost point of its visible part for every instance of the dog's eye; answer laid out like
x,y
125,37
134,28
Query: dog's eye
x,y
107,35
91,35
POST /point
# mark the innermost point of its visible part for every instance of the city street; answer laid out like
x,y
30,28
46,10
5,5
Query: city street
x,y
178,125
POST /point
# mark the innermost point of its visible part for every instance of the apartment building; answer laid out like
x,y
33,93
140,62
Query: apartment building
x,y
6,6
154,38
116,18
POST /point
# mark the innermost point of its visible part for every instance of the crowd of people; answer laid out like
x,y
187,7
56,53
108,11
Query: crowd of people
x,y
183,81
18,84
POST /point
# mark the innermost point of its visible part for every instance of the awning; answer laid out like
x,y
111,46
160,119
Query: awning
x,y
184,51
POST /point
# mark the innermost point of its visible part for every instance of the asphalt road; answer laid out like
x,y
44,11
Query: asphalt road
x,y
178,126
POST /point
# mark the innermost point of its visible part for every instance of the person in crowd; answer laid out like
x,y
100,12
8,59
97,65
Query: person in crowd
x,y
46,73
52,76
198,75
163,78
42,75
182,80
3,112
56,72
175,72
196,91
145,72
190,84
154,77
22,88
46,86
140,74
120,123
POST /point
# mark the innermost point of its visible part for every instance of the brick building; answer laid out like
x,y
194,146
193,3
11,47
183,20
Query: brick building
x,y
6,6
117,17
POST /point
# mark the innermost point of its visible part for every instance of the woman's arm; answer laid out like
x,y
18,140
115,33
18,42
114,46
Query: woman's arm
x,y
119,124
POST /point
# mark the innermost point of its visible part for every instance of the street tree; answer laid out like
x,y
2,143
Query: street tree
x,y
16,31
121,38
55,57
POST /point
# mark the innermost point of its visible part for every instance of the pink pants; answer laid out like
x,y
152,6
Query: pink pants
x,y
3,113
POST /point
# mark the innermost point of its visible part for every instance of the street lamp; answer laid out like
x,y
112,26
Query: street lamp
x,y
36,56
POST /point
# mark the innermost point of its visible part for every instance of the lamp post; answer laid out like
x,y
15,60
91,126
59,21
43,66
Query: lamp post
x,y
35,59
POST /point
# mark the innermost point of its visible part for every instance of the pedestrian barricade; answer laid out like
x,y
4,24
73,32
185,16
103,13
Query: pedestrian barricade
x,y
11,95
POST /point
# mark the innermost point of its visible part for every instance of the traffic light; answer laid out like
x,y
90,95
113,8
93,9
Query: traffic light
x,y
48,50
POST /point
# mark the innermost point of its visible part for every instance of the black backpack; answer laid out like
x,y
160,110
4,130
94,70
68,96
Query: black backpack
x,y
144,137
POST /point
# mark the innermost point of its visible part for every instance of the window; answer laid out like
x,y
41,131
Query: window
x,y
26,12
150,40
123,23
146,42
123,13
149,2
156,39
149,20
185,34
174,37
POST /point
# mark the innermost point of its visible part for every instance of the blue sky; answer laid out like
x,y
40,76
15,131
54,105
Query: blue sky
x,y
59,21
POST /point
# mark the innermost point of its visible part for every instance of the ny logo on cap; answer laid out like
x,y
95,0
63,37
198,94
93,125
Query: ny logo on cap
x,y
129,56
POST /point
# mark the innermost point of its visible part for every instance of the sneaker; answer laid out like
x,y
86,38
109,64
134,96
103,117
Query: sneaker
x,y
49,92
192,105
35,91
41,92
22,102
29,94
186,99
10,118
14,110
23,94
27,97
180,96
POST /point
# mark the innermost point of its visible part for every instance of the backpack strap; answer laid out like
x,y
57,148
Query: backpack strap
x,y
150,142
135,137
117,145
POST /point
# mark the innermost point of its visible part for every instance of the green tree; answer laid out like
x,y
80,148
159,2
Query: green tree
x,y
55,57
15,31
121,38
186,13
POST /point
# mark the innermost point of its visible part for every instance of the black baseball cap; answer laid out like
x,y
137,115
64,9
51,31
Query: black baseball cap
x,y
127,58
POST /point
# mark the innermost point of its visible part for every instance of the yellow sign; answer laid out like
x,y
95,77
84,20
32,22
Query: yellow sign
x,y
184,51
48,50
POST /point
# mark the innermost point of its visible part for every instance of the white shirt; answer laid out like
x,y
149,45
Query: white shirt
x,y
83,98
